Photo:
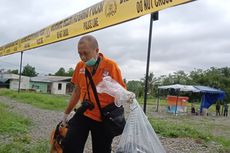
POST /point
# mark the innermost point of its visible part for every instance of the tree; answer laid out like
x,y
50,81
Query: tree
x,y
70,72
166,80
13,71
60,72
197,77
225,71
29,71
124,80
153,82
180,77
136,87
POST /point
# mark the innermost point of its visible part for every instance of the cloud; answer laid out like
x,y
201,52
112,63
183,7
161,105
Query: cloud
x,y
194,35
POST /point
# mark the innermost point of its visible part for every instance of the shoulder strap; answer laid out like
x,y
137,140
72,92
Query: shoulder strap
x,y
87,74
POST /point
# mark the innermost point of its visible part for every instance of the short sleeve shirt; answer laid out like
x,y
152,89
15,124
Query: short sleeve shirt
x,y
106,67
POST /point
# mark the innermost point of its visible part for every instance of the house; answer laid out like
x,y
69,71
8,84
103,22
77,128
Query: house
x,y
11,81
52,84
45,84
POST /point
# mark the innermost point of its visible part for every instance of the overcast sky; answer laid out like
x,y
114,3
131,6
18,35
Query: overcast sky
x,y
186,37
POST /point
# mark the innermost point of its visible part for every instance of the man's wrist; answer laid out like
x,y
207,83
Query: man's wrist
x,y
65,115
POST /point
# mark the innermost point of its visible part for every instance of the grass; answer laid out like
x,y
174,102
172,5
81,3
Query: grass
x,y
150,101
22,147
204,129
14,128
163,102
200,128
44,101
175,130
12,123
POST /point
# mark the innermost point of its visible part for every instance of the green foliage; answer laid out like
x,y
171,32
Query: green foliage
x,y
136,87
45,101
29,71
225,142
16,127
124,80
12,123
41,147
213,77
168,126
153,82
177,130
70,72
150,101
62,72
13,71
25,147
196,128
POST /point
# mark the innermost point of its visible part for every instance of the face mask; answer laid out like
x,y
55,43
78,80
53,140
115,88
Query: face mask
x,y
91,62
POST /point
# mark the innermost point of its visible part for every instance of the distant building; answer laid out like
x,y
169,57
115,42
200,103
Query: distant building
x,y
52,84
45,84
11,81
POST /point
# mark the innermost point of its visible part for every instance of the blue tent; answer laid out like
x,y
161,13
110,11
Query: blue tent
x,y
209,96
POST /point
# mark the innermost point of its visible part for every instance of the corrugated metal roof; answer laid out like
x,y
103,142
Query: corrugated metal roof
x,y
49,79
11,76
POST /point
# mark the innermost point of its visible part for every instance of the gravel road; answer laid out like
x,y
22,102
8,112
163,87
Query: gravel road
x,y
45,120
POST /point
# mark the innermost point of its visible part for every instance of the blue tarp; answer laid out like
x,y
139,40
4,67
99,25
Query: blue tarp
x,y
205,89
209,95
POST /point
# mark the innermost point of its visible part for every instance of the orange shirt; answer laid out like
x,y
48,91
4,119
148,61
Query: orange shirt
x,y
106,67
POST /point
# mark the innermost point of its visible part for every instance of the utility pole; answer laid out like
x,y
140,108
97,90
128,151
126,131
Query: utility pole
x,y
153,17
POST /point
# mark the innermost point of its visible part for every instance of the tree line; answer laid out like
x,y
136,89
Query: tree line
x,y
30,71
218,78
213,77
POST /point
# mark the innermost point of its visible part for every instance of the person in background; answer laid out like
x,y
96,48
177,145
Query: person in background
x,y
193,111
226,110
217,109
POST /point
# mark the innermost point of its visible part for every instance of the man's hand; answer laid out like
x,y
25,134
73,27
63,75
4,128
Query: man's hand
x,y
64,120
131,97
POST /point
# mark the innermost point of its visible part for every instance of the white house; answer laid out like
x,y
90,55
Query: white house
x,y
51,84
11,81
45,84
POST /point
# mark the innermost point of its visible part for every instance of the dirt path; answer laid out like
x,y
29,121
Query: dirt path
x,y
45,120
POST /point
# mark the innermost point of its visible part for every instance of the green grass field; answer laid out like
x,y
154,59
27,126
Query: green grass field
x,y
196,127
204,129
14,134
44,101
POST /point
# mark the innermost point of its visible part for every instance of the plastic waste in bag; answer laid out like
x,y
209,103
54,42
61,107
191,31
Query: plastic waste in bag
x,y
114,89
138,135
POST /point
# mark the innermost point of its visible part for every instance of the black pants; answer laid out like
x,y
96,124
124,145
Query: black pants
x,y
217,112
225,113
77,135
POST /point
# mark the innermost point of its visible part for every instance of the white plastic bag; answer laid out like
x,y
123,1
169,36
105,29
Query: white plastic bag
x,y
114,89
138,135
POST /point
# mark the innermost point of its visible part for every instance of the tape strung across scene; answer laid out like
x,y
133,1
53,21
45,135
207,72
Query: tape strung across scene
x,y
101,15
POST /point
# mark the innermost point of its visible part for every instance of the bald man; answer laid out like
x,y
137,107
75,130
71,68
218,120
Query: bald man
x,y
89,119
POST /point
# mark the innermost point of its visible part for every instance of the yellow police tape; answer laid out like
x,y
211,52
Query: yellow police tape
x,y
98,16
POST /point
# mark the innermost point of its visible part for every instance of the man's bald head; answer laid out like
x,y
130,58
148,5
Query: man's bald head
x,y
90,40
88,48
